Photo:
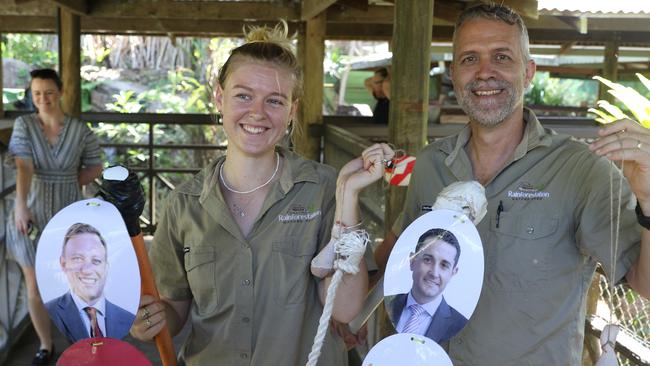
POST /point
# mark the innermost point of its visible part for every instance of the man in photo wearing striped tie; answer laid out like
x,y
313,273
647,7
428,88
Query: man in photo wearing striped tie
x,y
83,311
424,310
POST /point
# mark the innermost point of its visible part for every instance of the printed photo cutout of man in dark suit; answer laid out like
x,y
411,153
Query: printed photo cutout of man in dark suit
x,y
424,310
84,311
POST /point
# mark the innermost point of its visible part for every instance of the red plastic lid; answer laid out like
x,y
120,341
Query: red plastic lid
x,y
102,352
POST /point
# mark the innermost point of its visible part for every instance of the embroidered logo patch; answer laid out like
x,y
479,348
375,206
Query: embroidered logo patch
x,y
299,213
527,191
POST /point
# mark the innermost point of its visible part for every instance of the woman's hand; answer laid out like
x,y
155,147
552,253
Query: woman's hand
x,y
22,217
366,169
149,320
629,141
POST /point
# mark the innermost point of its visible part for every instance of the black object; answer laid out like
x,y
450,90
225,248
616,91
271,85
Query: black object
x,y
499,210
381,112
43,357
643,220
128,196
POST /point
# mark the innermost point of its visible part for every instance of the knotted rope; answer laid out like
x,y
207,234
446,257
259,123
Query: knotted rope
x,y
349,249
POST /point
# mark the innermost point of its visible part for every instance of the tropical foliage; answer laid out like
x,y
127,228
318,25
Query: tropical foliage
x,y
634,103
550,91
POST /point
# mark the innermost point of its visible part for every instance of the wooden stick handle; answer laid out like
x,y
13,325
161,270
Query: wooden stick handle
x,y
148,286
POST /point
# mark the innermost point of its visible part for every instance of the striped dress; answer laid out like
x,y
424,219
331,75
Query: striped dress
x,y
56,169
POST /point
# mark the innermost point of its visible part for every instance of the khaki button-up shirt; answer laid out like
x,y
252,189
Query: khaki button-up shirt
x,y
254,300
541,249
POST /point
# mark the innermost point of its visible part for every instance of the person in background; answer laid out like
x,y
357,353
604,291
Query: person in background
x,y
54,156
379,86
232,251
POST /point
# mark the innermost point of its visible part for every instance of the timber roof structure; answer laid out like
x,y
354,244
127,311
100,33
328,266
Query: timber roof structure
x,y
346,19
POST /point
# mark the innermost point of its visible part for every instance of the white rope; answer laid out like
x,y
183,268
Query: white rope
x,y
349,248
610,331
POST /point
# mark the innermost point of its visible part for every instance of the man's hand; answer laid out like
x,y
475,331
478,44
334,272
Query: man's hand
x,y
629,141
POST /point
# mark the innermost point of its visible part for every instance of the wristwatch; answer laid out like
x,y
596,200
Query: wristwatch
x,y
643,220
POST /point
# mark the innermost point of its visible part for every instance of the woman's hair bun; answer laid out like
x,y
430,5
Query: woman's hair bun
x,y
277,34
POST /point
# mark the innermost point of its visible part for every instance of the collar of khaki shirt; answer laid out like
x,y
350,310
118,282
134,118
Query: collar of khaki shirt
x,y
534,135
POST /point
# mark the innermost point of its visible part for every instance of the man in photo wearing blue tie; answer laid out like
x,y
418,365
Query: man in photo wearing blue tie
x,y
83,311
424,310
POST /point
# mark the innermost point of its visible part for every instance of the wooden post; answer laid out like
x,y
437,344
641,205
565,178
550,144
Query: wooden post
x,y
591,350
610,70
311,51
407,127
70,61
2,107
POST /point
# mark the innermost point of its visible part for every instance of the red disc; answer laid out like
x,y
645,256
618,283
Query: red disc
x,y
102,352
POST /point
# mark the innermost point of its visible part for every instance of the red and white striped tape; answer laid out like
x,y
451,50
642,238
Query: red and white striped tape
x,y
399,173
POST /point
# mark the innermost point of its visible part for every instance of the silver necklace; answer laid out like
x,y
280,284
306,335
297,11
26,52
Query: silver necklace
x,y
241,210
223,181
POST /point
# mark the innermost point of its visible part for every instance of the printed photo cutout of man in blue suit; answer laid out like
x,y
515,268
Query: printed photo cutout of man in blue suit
x,y
83,311
423,310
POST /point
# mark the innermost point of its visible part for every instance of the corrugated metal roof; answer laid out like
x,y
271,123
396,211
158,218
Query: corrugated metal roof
x,y
641,7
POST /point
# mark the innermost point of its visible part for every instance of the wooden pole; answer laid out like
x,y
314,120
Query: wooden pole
x,y
407,127
70,61
610,70
591,350
2,107
311,51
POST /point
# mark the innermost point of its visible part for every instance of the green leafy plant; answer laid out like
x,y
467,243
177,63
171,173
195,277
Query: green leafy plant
x,y
551,91
33,49
633,101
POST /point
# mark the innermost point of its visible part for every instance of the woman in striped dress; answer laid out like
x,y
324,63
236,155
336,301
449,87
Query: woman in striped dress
x,y
54,155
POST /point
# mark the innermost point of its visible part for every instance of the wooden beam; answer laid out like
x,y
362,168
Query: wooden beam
x,y
70,61
447,11
78,7
31,24
376,32
409,87
583,72
311,52
2,111
355,4
374,15
215,10
574,22
33,8
178,27
610,70
566,48
311,8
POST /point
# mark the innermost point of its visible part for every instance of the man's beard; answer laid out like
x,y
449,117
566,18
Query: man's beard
x,y
494,114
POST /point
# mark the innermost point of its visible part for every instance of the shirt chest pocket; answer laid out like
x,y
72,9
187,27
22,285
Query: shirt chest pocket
x,y
519,251
291,260
200,266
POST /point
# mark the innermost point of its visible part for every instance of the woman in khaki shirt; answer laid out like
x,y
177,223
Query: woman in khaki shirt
x,y
232,251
